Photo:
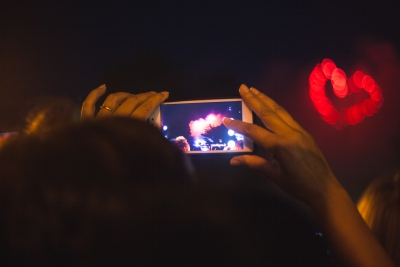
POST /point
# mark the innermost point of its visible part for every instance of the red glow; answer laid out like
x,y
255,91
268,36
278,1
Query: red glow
x,y
339,83
368,107
357,113
328,66
368,83
376,93
342,87
332,118
357,79
348,117
352,86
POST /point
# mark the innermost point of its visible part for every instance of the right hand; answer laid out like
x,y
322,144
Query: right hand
x,y
139,106
297,165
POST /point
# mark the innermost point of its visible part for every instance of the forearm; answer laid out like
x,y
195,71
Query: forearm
x,y
347,234
300,169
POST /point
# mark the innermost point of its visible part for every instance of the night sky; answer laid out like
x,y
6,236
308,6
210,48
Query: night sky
x,y
206,49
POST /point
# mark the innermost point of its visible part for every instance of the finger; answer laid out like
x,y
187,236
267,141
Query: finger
x,y
269,169
112,102
131,103
267,114
88,106
256,133
280,111
147,107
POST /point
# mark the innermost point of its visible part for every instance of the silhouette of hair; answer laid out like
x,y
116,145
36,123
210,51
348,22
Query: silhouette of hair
x,y
55,186
380,207
115,192
49,113
121,148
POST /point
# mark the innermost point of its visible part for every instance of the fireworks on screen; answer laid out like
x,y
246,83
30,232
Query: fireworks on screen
x,y
201,126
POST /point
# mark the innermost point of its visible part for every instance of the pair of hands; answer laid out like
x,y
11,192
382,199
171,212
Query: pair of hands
x,y
297,165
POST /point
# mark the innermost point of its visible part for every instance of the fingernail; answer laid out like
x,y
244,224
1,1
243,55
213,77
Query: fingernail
x,y
152,92
254,90
243,88
165,93
102,86
226,120
235,162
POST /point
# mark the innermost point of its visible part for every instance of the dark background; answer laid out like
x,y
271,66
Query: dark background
x,y
205,49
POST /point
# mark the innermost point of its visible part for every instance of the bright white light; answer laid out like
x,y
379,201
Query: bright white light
x,y
231,132
198,142
211,118
165,127
239,136
231,144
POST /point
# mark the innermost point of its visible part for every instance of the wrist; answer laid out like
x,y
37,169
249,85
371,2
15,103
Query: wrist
x,y
330,195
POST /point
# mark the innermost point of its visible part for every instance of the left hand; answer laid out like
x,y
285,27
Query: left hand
x,y
139,106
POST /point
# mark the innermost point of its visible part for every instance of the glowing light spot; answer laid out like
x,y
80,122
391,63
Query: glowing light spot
x,y
328,66
231,144
368,107
357,79
165,127
231,132
368,83
339,83
211,118
357,113
376,93
348,116
352,86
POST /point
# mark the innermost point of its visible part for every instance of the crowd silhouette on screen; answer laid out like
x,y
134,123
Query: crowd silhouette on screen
x,y
111,190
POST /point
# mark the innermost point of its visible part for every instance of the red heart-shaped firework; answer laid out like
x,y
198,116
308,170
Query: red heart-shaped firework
x,y
342,87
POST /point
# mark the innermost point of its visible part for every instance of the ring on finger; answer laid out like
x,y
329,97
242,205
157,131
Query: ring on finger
x,y
107,108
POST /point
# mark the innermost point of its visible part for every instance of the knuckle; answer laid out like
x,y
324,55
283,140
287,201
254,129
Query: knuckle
x,y
111,98
248,129
133,99
147,107
251,98
299,137
278,108
266,112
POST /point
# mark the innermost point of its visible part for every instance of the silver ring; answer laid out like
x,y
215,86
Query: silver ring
x,y
107,108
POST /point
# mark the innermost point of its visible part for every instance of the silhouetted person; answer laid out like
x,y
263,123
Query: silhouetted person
x,y
114,191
